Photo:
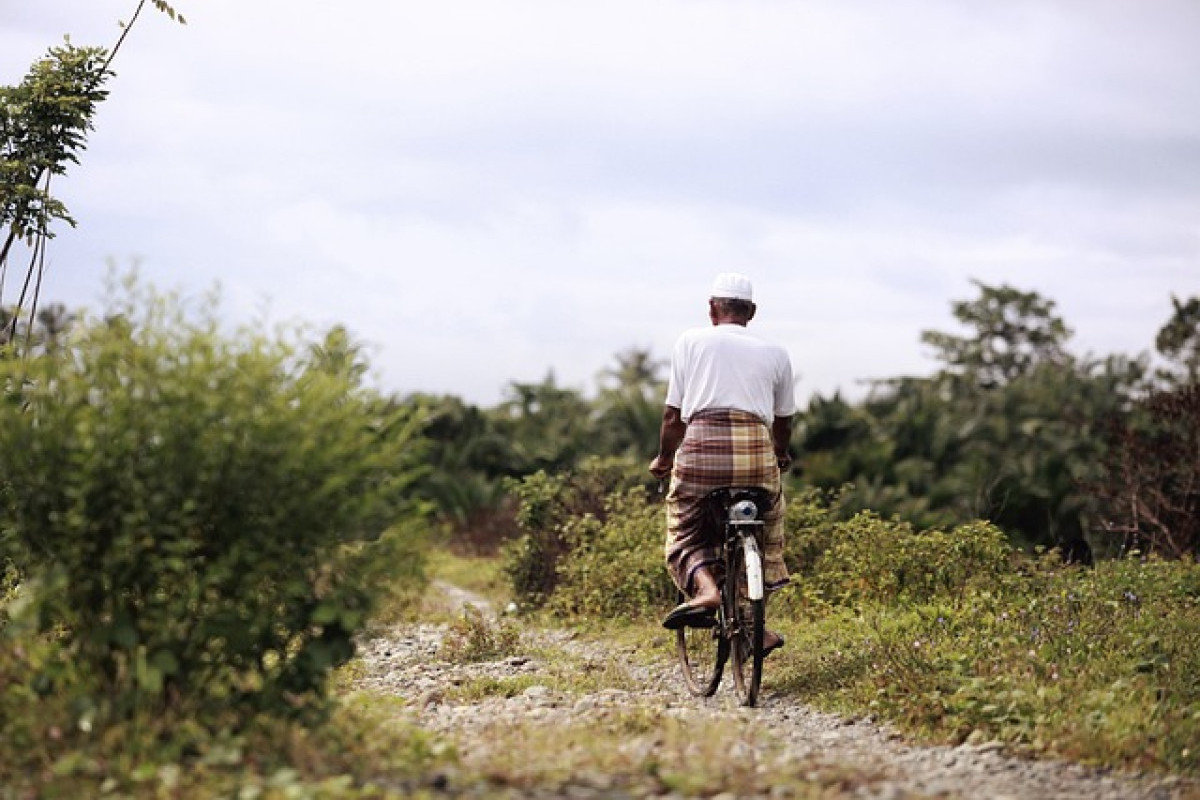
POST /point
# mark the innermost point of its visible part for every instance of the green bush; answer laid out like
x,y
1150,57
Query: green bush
x,y
867,559
199,514
809,527
546,505
614,565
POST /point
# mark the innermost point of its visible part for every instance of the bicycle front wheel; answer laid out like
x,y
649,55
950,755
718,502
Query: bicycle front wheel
x,y
747,622
702,653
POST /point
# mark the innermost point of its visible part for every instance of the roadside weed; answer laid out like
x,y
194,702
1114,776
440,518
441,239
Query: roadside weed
x,y
473,636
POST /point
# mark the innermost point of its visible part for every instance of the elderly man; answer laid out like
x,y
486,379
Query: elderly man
x,y
727,422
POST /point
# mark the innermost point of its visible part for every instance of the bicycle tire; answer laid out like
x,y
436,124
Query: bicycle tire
x,y
702,654
747,629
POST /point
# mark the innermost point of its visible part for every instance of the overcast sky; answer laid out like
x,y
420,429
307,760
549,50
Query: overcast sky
x,y
485,191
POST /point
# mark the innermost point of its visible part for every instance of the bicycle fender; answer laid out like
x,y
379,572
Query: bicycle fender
x,y
754,572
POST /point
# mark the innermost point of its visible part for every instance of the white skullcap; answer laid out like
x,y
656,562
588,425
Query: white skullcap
x,y
733,286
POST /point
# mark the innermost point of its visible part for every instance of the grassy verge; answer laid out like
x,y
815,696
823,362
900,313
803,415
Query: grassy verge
x,y
481,576
1099,666
363,751
638,751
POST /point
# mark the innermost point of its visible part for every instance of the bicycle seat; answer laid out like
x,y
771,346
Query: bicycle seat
x,y
719,501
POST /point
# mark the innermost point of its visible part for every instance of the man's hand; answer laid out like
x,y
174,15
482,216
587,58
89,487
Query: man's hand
x,y
669,437
781,437
661,467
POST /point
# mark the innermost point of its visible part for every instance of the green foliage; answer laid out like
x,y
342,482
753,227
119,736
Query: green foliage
x,y
46,331
1010,429
867,560
199,515
167,9
473,636
546,507
1097,665
875,560
810,525
44,122
614,566
538,427
10,582
1179,341
47,750
467,460
1010,332
545,424
629,406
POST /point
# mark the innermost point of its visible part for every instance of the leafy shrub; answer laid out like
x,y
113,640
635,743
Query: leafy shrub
x,y
615,565
809,528
871,560
196,512
546,504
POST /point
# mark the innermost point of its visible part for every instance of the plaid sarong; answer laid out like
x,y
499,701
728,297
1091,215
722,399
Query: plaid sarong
x,y
722,447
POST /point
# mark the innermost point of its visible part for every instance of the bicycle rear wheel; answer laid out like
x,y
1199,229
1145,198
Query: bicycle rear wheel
x,y
702,653
748,625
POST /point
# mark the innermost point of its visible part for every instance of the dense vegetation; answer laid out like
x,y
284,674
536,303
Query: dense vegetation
x,y
194,526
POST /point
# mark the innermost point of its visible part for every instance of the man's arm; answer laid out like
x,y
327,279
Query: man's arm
x,y
669,438
781,437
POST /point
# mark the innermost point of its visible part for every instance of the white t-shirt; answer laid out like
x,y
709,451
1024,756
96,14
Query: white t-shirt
x,y
724,366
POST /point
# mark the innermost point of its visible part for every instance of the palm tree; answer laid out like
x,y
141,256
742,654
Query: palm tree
x,y
629,406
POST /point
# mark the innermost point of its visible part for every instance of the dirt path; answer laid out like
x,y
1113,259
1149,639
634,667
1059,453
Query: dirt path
x,y
568,717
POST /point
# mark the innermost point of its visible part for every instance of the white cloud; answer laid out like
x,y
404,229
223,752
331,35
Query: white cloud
x,y
488,191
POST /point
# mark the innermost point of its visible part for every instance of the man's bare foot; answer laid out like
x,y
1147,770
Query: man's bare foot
x,y
707,594
690,615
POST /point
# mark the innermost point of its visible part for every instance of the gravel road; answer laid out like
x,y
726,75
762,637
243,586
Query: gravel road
x,y
830,756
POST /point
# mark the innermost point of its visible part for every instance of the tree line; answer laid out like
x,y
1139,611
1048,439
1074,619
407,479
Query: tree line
x,y
1057,449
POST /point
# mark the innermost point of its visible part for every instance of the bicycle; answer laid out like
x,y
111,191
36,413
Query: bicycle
x,y
740,621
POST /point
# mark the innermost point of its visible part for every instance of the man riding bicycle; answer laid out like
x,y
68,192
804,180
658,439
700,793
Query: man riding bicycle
x,y
727,422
